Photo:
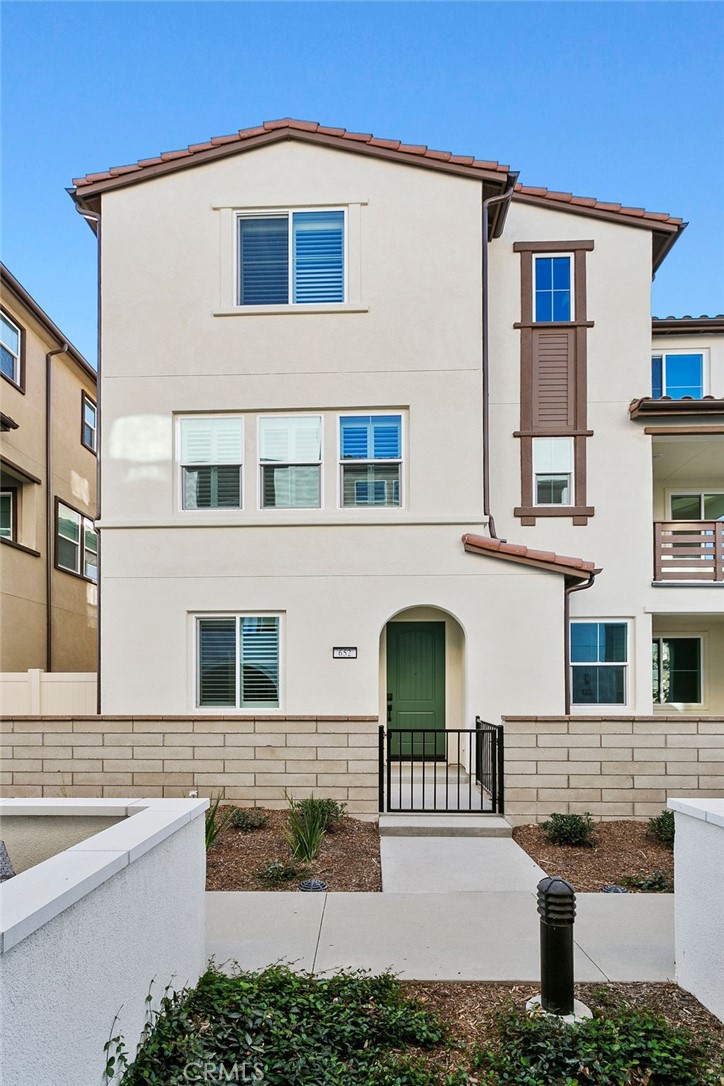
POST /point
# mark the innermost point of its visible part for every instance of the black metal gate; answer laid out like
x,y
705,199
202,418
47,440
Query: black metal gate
x,y
429,769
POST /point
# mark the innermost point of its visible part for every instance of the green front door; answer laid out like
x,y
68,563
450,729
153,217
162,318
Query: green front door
x,y
416,687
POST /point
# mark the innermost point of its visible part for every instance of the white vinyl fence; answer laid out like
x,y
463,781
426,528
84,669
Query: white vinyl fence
x,y
56,693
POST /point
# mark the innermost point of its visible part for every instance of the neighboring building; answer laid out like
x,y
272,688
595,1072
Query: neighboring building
x,y
338,416
48,461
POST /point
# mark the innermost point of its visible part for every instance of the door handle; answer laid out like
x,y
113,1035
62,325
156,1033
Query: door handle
x,y
389,708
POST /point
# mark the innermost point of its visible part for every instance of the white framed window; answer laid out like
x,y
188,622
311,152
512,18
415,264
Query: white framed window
x,y
678,374
553,471
599,662
211,461
237,661
553,295
290,462
76,542
10,350
676,670
8,513
371,457
294,257
88,423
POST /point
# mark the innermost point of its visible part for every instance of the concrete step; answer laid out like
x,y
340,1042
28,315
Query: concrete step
x,y
444,825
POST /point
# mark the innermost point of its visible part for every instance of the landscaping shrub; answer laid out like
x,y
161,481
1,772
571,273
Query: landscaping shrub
x,y
627,1047
662,827
217,819
289,1030
308,822
569,829
279,871
247,819
657,883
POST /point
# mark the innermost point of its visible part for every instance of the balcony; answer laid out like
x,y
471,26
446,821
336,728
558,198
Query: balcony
x,y
690,550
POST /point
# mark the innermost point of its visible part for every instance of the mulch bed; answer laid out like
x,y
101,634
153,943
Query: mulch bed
x,y
349,858
470,1009
622,849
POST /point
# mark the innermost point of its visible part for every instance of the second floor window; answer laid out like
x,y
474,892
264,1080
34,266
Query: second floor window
x,y
211,462
371,459
290,455
553,291
700,506
76,543
677,375
553,470
88,423
9,350
293,257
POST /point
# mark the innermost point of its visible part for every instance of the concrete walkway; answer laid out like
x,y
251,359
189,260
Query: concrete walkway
x,y
444,865
465,935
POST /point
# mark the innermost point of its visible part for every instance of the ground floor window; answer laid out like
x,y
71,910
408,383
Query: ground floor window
x,y
676,670
599,663
238,661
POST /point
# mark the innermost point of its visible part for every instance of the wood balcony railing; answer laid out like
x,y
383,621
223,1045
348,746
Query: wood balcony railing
x,y
689,550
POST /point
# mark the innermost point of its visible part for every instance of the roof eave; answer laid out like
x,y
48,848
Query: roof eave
x,y
648,407
580,571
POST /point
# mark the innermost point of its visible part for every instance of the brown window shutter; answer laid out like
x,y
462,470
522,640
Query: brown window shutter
x,y
554,379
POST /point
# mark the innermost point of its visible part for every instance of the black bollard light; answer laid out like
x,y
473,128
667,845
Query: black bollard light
x,y
557,911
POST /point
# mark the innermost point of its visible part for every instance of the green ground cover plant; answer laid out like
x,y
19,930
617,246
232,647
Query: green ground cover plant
x,y
623,1047
278,871
248,819
663,828
657,883
569,829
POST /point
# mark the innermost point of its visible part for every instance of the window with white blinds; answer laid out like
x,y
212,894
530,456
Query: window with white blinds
x,y
553,470
293,256
238,661
371,459
211,455
290,456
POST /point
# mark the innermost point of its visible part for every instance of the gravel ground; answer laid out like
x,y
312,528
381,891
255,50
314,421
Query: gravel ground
x,y
349,858
622,849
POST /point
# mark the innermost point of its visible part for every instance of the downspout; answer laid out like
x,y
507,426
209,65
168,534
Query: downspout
x,y
49,507
486,364
94,217
567,592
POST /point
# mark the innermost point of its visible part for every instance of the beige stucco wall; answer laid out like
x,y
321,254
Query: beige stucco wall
x,y
24,605
612,767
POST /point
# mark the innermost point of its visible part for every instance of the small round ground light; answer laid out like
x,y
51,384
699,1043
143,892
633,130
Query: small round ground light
x,y
313,886
611,888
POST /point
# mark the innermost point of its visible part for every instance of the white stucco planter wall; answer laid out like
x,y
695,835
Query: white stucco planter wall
x,y
699,899
86,932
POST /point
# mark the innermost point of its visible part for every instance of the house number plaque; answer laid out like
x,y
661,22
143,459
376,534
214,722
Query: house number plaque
x,y
344,653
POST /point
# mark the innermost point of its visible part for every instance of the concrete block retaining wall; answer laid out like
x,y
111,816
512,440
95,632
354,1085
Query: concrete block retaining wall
x,y
252,759
614,767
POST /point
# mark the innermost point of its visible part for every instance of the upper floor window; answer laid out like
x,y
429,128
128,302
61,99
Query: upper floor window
x,y
238,661
677,374
553,288
8,513
294,257
290,455
371,458
701,506
599,662
211,461
10,340
553,470
88,425
76,542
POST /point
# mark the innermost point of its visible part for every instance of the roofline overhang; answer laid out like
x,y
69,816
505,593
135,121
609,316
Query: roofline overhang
x,y
9,282
686,326
648,407
573,569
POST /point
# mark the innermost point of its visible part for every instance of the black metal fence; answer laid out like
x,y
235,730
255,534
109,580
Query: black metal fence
x,y
432,769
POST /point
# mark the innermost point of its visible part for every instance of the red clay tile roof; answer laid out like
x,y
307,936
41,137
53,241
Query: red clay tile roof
x,y
300,128
687,325
515,552
597,205
666,405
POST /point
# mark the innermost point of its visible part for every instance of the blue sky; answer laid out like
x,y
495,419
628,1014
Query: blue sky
x,y
622,101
